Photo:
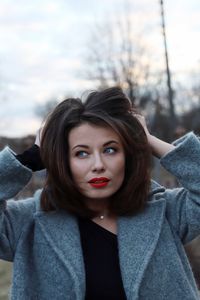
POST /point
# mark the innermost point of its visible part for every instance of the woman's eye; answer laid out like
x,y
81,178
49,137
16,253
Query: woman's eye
x,y
110,150
81,154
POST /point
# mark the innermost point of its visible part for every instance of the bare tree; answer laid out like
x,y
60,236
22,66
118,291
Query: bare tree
x,y
190,103
196,86
118,57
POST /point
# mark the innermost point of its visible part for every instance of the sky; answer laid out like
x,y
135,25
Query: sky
x,y
43,45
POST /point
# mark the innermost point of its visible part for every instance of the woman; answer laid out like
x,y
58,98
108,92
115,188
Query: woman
x,y
100,229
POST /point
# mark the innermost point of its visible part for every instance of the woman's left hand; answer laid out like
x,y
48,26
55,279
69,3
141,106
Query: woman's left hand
x,y
159,148
142,121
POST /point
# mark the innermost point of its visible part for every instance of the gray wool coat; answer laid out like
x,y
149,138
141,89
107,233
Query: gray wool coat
x,y
46,251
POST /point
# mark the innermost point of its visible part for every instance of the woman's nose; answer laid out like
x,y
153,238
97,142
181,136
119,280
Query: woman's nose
x,y
98,164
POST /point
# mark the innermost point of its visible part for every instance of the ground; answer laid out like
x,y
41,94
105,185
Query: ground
x,y
5,277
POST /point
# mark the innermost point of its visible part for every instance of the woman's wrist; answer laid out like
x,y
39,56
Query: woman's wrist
x,y
159,148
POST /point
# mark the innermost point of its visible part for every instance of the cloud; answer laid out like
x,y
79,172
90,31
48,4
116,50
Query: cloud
x,y
43,43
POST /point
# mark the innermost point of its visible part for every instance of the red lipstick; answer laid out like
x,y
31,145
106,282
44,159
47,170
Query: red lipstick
x,y
99,182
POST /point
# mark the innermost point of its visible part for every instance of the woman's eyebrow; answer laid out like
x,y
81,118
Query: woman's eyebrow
x,y
87,147
80,146
110,142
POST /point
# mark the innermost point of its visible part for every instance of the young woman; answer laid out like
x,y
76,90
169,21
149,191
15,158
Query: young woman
x,y
100,228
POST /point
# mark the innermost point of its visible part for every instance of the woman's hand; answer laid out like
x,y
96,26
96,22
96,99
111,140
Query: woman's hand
x,y
159,148
142,121
38,137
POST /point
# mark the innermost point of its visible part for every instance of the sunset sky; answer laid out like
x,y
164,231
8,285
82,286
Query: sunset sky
x,y
43,44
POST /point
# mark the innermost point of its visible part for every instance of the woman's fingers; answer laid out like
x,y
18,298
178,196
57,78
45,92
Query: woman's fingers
x,y
38,137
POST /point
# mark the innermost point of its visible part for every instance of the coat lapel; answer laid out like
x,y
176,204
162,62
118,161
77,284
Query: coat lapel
x,y
61,232
137,239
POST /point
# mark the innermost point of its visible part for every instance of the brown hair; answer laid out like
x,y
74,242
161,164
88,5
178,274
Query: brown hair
x,y
111,108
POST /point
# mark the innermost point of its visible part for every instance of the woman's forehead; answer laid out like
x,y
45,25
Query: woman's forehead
x,y
90,133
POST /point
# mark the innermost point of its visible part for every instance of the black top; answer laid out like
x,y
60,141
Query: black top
x,y
31,158
100,253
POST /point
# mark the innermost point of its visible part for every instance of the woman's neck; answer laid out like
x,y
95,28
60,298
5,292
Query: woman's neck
x,y
98,205
103,218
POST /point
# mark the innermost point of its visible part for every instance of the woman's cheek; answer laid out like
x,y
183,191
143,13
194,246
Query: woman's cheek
x,y
79,170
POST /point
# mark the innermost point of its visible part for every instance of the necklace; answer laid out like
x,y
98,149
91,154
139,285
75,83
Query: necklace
x,y
103,215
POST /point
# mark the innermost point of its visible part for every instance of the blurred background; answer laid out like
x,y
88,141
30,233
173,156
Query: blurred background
x,y
51,50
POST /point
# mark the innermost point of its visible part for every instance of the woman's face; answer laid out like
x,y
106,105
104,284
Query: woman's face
x,y
97,160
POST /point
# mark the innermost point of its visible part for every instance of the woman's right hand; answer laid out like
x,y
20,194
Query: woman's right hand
x,y
38,137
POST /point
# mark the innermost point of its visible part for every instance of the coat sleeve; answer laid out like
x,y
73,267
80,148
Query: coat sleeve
x,y
183,204
13,214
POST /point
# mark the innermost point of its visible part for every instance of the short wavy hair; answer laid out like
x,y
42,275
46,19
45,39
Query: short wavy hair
x,y
109,107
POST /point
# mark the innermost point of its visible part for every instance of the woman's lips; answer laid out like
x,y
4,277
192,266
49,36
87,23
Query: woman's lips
x,y
99,182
